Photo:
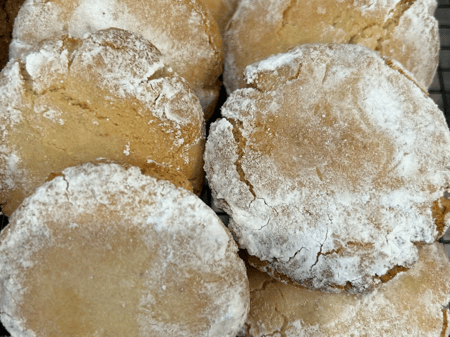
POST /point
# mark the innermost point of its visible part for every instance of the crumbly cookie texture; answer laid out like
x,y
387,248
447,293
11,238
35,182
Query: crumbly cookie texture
x,y
415,303
404,30
183,31
332,167
106,251
72,101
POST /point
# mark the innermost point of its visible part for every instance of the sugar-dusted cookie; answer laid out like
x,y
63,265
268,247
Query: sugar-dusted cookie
x,y
101,250
415,303
333,164
400,29
71,101
184,32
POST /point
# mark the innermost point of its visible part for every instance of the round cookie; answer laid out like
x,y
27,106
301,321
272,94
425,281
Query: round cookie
x,y
72,101
415,303
182,30
106,251
402,30
332,165
221,10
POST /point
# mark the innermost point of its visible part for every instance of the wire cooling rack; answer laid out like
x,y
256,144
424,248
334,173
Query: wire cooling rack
x,y
439,91
440,88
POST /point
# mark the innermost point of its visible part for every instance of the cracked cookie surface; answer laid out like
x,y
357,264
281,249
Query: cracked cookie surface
x,y
414,304
404,30
184,32
101,250
332,165
72,101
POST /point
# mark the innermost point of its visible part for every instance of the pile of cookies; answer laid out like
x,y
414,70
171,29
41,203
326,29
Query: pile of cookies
x,y
330,159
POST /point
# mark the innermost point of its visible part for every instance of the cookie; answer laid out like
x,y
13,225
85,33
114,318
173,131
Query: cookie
x,y
183,31
332,165
402,30
101,250
72,101
415,303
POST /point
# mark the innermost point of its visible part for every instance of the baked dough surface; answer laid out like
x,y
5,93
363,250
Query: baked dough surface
x,y
221,10
72,101
332,165
101,250
184,32
415,303
404,30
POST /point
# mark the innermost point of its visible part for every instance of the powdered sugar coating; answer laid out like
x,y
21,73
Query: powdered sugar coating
x,y
415,303
128,73
331,166
11,104
399,29
112,86
420,53
189,237
182,30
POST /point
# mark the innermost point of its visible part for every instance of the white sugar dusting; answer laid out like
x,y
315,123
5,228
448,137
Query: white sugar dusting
x,y
46,65
367,6
419,30
11,169
130,74
46,16
12,92
50,112
12,89
127,149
